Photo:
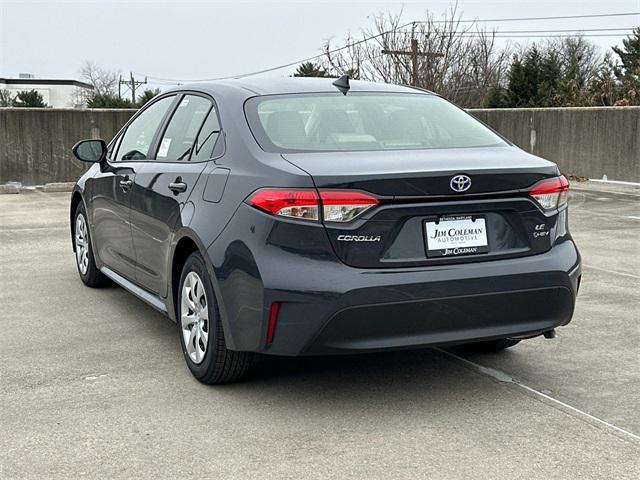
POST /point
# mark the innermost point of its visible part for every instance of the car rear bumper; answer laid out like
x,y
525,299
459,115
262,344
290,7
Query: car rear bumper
x,y
445,320
349,310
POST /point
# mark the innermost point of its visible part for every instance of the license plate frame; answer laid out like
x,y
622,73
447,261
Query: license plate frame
x,y
443,244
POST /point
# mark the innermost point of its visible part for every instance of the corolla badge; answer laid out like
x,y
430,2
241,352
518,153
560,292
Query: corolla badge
x,y
358,238
460,183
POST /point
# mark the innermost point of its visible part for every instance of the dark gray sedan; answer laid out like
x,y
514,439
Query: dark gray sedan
x,y
313,217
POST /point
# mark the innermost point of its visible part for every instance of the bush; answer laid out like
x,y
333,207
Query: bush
x,y
108,101
29,98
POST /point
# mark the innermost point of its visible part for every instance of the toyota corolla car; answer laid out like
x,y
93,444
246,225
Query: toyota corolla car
x,y
313,217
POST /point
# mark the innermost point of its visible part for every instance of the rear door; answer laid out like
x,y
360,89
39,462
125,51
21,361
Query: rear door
x,y
111,189
165,182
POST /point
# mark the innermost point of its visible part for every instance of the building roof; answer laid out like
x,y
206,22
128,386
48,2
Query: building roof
x,y
43,81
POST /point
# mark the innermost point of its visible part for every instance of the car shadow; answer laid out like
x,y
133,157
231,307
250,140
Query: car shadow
x,y
374,382
347,380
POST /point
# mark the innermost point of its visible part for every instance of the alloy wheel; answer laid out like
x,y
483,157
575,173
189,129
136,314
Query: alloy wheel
x,y
194,315
82,244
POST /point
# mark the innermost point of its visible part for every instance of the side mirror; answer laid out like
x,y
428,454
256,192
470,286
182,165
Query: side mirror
x,y
90,150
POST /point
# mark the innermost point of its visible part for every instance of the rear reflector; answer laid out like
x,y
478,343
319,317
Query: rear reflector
x,y
551,193
304,204
273,322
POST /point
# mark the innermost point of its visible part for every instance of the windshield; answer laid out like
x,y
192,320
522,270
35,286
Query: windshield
x,y
362,121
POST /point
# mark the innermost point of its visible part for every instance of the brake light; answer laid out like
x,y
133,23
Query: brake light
x,y
337,205
344,206
551,193
297,203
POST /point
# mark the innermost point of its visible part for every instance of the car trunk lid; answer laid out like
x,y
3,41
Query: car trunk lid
x,y
415,191
425,173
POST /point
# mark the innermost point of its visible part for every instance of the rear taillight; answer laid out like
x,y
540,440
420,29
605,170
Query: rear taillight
x,y
344,206
300,203
304,204
551,193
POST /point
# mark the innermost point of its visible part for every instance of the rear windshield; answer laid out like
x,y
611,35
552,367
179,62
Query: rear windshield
x,y
362,121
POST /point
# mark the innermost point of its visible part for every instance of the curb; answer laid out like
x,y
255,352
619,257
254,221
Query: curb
x,y
9,188
55,187
606,187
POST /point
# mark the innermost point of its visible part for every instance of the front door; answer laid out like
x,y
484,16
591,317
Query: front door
x,y
110,225
163,186
112,189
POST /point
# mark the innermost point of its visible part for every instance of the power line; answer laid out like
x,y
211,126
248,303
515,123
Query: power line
x,y
413,23
565,30
568,31
564,17
290,64
568,35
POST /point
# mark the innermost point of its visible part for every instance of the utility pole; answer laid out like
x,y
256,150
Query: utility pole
x,y
414,53
133,88
414,61
132,84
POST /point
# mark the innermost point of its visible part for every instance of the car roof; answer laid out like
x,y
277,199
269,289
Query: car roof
x,y
282,85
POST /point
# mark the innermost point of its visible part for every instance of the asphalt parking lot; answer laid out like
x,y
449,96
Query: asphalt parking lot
x,y
93,383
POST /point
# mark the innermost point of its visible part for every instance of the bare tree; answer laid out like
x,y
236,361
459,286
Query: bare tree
x,y
604,88
468,64
579,57
105,82
580,62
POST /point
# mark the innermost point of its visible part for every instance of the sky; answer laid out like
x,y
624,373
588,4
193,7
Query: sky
x,y
186,40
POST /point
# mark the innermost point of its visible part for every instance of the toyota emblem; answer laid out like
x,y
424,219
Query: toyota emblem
x,y
460,183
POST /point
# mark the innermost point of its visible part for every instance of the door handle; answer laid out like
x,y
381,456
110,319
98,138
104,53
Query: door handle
x,y
178,187
126,184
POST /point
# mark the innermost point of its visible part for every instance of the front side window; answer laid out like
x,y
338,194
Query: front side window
x,y
136,141
180,136
363,121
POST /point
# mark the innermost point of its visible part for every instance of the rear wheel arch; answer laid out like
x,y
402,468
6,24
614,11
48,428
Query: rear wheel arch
x,y
185,247
187,242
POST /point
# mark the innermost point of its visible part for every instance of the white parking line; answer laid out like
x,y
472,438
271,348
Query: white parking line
x,y
579,209
505,378
615,182
612,271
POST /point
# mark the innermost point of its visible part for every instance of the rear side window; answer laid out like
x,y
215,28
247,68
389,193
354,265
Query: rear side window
x,y
180,135
362,121
134,145
207,138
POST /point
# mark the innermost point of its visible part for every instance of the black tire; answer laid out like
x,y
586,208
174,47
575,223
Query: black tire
x,y
93,277
219,365
492,346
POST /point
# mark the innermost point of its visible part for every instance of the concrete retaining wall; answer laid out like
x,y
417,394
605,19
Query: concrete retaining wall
x,y
35,144
590,142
